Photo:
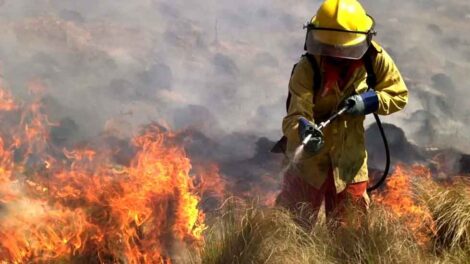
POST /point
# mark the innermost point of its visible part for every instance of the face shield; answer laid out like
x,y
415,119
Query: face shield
x,y
337,43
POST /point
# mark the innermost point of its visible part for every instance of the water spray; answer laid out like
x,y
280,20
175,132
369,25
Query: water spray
x,y
324,124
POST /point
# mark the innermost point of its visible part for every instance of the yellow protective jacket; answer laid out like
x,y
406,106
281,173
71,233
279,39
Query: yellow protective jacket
x,y
344,151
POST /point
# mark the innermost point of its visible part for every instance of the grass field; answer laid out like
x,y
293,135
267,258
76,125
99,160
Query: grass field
x,y
247,233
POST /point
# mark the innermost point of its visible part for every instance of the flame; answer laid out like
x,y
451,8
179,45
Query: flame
x,y
210,183
6,101
398,196
77,205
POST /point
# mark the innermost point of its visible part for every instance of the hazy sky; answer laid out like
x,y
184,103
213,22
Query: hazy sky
x,y
222,66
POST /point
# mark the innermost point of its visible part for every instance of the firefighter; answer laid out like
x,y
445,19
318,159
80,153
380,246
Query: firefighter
x,y
333,167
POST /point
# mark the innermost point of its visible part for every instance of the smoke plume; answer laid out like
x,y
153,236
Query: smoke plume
x,y
217,68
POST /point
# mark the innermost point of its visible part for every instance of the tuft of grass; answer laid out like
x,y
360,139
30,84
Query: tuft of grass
x,y
247,233
450,209
372,238
251,234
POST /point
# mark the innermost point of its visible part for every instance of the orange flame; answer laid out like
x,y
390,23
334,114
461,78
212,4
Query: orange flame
x,y
399,197
6,101
210,183
81,206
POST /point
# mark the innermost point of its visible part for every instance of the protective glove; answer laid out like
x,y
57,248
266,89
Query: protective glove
x,y
362,104
316,142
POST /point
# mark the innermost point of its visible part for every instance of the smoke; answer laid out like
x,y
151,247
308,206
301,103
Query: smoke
x,y
426,40
152,59
217,68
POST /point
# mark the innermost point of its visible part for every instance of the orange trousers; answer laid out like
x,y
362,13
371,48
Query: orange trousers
x,y
305,201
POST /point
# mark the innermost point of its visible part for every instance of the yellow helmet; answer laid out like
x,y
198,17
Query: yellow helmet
x,y
341,28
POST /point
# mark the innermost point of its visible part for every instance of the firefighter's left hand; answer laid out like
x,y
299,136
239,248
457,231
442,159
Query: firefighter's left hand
x,y
362,104
316,142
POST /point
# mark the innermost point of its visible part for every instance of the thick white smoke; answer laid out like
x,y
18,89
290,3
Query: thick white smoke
x,y
221,66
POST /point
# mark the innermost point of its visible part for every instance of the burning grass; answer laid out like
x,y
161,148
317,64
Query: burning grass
x,y
78,206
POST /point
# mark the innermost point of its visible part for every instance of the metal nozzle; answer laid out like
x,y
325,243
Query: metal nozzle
x,y
307,139
326,123
333,117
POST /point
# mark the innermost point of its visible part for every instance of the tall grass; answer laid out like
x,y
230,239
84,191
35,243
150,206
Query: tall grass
x,y
450,209
247,233
244,233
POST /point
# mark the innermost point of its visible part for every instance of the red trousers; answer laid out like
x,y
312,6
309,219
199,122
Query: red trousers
x,y
305,201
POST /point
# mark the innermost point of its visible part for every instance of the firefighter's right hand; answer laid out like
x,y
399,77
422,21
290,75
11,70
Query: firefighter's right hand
x,y
316,141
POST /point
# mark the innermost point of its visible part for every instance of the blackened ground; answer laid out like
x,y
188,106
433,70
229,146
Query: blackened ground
x,y
465,164
401,150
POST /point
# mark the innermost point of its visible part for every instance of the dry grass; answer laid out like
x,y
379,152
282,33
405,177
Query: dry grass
x,y
379,238
263,235
450,209
246,233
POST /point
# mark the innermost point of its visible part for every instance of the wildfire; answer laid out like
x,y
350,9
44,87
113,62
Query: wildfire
x,y
399,197
77,205
209,182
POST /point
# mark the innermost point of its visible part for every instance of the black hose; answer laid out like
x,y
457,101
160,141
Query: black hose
x,y
387,153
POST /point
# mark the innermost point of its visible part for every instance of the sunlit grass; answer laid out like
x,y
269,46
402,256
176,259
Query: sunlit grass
x,y
247,233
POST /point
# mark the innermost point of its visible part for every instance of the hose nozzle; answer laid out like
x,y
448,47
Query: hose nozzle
x,y
307,139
